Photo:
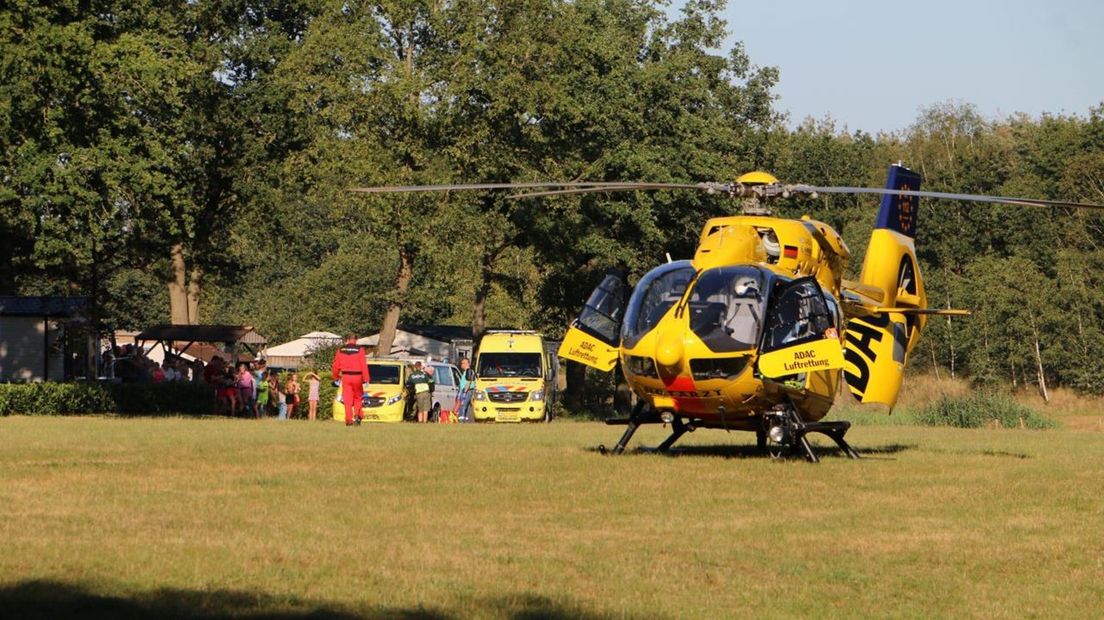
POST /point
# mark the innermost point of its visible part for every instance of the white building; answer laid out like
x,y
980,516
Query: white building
x,y
291,354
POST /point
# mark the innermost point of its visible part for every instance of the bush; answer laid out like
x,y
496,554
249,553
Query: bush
x,y
981,409
54,398
125,398
171,397
320,361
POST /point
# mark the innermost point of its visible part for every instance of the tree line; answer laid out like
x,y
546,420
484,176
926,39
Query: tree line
x,y
190,162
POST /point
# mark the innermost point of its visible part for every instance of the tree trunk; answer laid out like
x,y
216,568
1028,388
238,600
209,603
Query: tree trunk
x,y
479,305
391,319
1039,362
178,292
935,364
193,295
576,386
7,269
985,342
950,337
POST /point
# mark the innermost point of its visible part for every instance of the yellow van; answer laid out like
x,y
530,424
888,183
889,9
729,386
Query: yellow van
x,y
512,372
385,397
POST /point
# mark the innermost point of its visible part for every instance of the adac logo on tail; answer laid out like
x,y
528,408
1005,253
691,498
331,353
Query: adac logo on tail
x,y
898,212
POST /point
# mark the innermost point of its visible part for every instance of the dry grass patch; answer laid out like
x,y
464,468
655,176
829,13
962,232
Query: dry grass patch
x,y
241,518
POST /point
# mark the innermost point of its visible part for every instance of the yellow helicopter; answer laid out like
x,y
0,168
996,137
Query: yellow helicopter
x,y
757,330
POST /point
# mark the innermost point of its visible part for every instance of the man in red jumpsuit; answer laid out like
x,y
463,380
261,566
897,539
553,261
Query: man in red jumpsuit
x,y
351,367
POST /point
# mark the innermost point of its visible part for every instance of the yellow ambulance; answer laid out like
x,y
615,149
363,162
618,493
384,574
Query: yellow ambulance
x,y
385,397
513,373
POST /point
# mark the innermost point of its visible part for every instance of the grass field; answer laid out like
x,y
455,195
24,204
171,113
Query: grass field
x,y
104,517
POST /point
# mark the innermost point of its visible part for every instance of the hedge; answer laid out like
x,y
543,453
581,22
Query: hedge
x,y
981,409
119,398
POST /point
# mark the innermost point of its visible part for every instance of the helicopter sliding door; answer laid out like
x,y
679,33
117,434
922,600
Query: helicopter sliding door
x,y
802,333
595,336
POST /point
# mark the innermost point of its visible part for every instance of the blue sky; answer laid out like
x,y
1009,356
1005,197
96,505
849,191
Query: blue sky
x,y
873,65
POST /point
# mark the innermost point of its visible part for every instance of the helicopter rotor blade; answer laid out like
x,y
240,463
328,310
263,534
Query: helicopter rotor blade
x,y
1026,202
458,187
624,187
732,190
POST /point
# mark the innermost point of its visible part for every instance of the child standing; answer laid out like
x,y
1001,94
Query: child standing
x,y
259,382
292,395
228,390
263,393
313,385
278,393
245,390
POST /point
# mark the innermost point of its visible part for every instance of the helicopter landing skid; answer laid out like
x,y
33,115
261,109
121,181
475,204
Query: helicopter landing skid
x,y
641,414
794,433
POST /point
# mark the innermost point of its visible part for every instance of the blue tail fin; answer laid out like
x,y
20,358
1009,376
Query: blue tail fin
x,y
899,213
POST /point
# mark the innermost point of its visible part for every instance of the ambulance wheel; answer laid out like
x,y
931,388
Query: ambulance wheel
x,y
435,413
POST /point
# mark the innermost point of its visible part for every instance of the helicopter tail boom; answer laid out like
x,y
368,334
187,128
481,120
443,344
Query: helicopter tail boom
x,y
877,343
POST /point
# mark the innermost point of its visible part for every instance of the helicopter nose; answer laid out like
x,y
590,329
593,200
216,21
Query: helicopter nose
x,y
669,349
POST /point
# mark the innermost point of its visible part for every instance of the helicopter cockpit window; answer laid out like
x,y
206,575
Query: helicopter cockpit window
x,y
835,311
601,316
770,244
727,307
799,312
655,294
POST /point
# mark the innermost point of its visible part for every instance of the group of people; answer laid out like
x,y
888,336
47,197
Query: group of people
x,y
253,389
350,367
421,384
129,363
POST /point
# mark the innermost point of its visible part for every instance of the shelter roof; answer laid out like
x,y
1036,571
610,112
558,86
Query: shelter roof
x,y
304,344
43,306
442,333
228,334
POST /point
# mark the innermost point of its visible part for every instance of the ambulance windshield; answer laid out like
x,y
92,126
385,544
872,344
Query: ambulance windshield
x,y
383,374
494,365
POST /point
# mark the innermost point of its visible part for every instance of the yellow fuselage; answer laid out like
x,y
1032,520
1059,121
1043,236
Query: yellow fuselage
x,y
734,395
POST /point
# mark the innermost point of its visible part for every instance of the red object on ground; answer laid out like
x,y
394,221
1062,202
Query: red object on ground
x,y
351,367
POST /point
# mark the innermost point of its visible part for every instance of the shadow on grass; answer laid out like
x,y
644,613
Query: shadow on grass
x,y
749,451
51,599
998,453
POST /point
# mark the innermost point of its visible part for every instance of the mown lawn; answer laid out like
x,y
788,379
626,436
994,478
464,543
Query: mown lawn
x,y
104,517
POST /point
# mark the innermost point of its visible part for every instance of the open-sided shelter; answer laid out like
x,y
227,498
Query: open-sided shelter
x,y
238,341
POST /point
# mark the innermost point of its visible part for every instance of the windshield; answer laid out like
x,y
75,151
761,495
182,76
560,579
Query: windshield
x,y
654,295
726,307
383,374
509,365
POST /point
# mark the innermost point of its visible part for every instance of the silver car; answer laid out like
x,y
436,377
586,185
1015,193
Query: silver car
x,y
447,388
